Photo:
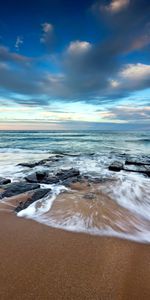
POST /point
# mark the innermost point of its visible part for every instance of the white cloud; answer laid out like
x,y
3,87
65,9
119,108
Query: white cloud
x,y
116,6
47,30
135,71
47,27
79,47
114,83
132,77
19,42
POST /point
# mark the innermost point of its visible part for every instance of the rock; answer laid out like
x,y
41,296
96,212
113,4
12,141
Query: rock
x,y
72,180
29,165
16,188
38,194
37,176
62,175
133,160
51,180
144,169
31,178
41,177
4,181
116,166
44,162
89,196
65,174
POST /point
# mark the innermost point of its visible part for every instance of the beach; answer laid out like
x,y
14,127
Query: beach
x,y
38,262
74,223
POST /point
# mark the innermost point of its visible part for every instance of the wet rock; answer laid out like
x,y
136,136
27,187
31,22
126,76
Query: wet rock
x,y
116,166
69,154
51,180
144,169
89,196
44,162
138,161
65,174
72,180
4,181
38,194
16,188
41,177
32,178
37,177
29,165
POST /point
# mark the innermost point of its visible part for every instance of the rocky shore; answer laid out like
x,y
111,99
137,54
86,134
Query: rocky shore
x,y
31,183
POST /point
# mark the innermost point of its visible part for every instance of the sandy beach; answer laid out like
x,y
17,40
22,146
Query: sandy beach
x,y
38,262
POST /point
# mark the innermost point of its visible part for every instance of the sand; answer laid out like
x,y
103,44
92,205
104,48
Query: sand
x,y
38,262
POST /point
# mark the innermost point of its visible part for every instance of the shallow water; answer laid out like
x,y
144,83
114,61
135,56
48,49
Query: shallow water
x,y
121,203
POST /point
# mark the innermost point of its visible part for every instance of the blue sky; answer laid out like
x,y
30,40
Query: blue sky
x,y
75,64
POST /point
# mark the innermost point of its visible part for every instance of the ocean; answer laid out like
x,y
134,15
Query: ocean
x,y
124,213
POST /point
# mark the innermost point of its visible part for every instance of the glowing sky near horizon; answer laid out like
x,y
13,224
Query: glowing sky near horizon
x,y
75,65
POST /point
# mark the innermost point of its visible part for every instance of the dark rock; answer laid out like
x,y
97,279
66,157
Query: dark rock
x,y
69,154
144,169
31,178
17,188
4,181
72,180
65,174
59,155
37,176
89,196
51,180
44,162
38,194
138,161
29,165
41,177
62,175
116,166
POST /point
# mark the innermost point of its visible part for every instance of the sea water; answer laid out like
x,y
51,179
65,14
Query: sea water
x,y
91,152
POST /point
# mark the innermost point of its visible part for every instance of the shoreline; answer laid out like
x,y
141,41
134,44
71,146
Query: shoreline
x,y
39,262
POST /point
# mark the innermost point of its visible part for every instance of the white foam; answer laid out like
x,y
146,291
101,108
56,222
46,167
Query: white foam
x,y
40,207
131,192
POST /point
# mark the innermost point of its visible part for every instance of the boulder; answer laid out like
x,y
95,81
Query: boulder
x,y
44,162
37,176
16,188
65,174
116,166
51,179
72,180
41,177
138,161
4,181
144,169
38,194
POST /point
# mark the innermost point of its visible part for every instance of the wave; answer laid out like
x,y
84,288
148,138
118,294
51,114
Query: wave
x,y
138,140
21,150
122,213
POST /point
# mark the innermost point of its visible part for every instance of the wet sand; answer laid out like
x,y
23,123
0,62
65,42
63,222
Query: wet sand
x,y
37,262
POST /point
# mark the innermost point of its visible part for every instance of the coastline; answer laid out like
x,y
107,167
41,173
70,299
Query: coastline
x,y
39,262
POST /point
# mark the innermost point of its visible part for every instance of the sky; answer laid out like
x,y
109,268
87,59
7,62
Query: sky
x,y
75,65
